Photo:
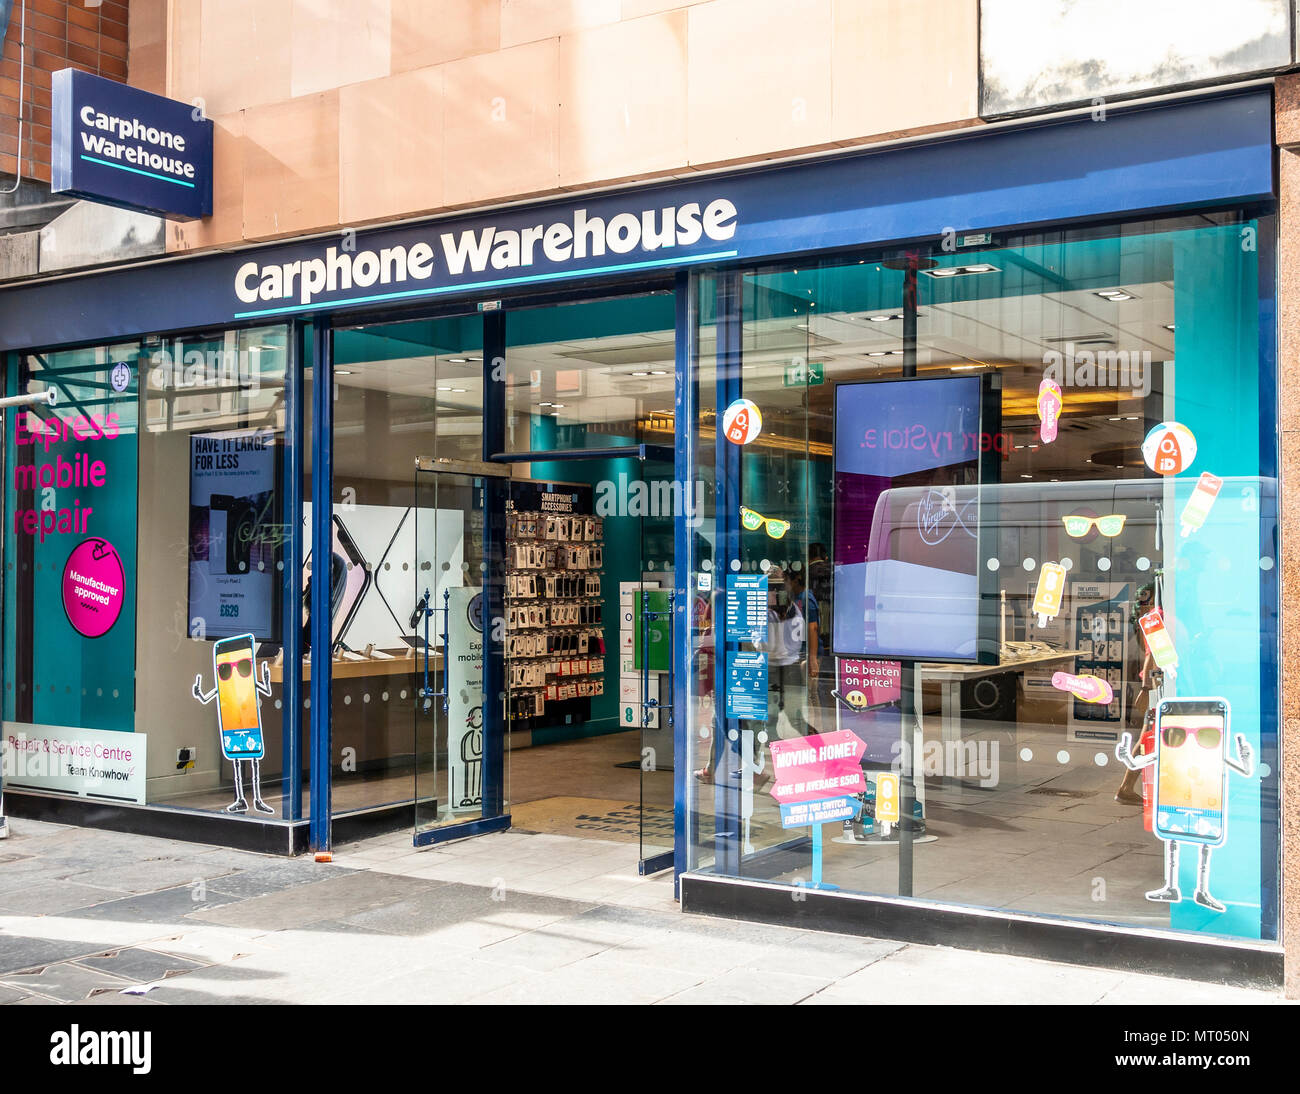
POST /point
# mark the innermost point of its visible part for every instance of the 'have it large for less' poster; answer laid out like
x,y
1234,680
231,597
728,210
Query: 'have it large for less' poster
x,y
233,534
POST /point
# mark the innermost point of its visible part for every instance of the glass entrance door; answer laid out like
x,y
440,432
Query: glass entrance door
x,y
461,773
653,662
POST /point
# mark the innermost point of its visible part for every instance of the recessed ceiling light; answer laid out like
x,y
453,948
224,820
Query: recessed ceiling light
x,y
658,372
877,353
1115,294
457,360
342,372
961,271
1169,326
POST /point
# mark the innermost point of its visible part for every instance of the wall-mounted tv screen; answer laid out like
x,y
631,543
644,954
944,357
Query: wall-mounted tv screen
x,y
908,461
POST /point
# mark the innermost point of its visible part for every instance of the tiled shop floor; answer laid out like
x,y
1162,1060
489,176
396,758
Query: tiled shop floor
x,y
509,917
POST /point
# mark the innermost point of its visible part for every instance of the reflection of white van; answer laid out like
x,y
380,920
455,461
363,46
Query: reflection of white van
x,y
938,558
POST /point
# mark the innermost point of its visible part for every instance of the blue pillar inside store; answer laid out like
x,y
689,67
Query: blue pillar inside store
x,y
322,547
685,521
495,492
727,483
290,561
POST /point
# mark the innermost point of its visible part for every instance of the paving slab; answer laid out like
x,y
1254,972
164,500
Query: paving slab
x,y
138,965
336,897
65,982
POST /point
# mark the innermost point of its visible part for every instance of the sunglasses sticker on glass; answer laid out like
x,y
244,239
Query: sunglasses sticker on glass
x,y
1160,645
752,520
1200,503
1047,597
1077,525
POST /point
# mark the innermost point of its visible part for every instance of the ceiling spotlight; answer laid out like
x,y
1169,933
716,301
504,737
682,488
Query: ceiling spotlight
x,y
1169,326
342,372
961,271
1115,294
457,360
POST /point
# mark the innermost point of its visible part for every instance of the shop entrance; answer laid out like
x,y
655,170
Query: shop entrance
x,y
542,589
563,587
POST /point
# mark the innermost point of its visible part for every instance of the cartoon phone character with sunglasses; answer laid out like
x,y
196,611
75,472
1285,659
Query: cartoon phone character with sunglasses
x,y
239,716
1191,785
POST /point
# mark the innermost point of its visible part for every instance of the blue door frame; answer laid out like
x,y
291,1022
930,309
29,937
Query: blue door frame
x,y
317,346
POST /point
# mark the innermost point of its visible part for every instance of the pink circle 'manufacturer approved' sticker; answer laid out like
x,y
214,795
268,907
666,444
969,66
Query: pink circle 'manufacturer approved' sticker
x,y
93,587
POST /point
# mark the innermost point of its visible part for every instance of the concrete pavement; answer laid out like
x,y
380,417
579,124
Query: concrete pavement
x,y
104,918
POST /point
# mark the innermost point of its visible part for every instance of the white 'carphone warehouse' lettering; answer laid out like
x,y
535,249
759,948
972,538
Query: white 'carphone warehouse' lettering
x,y
487,250
127,138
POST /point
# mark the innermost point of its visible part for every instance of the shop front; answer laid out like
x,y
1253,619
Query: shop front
x,y
885,541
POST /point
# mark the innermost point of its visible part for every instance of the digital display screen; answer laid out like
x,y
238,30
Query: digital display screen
x,y
907,469
234,534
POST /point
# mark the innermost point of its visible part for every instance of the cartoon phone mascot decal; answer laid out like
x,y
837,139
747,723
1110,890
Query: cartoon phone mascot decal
x,y
1191,784
239,715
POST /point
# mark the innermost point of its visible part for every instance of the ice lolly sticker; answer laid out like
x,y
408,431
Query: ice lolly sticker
x,y
1049,409
1169,448
1158,641
1199,504
1047,597
1088,688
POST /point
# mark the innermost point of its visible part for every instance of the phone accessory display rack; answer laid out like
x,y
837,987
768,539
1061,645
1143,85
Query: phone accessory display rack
x,y
555,637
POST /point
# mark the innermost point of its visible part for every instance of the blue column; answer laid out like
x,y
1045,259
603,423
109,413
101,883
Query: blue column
x,y
685,522
322,547
730,309
494,507
291,574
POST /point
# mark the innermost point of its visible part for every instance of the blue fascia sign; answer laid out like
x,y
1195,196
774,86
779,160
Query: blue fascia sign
x,y
1181,155
121,146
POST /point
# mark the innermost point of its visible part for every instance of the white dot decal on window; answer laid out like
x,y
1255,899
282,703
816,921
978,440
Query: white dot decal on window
x,y
277,704
993,564
1103,564
735,564
1265,771
765,565
1062,757
1026,754
1029,565
1067,564
1101,759
1144,563
733,735
704,733
1265,563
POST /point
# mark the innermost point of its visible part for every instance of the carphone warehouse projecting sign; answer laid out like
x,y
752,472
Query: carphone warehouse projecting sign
x,y
122,146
